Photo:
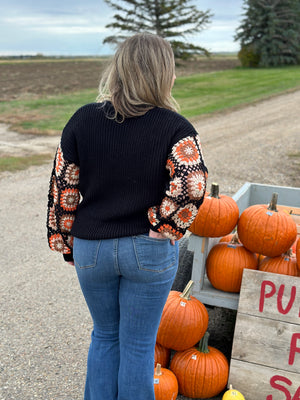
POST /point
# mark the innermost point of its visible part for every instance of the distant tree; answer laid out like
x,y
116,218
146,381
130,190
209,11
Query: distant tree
x,y
269,33
171,19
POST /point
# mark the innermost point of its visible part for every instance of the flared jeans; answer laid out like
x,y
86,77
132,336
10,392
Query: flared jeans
x,y
125,282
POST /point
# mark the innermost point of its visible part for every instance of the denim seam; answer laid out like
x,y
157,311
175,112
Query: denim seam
x,y
116,262
158,271
151,239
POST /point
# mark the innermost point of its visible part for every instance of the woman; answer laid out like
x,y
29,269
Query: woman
x,y
127,182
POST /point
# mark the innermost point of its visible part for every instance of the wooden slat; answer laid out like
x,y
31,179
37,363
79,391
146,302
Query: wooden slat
x,y
265,342
253,381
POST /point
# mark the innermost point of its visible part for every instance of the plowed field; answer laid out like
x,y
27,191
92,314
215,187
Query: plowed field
x,y
29,79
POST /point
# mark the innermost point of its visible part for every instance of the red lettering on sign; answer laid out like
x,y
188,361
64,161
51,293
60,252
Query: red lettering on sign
x,y
264,295
297,394
293,348
290,303
275,385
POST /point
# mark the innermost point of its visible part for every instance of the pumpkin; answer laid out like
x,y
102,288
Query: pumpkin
x,y
284,264
298,253
165,384
264,230
225,264
201,372
162,355
233,394
184,320
226,238
217,216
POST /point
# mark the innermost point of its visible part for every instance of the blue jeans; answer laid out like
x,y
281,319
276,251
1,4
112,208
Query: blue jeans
x,y
125,282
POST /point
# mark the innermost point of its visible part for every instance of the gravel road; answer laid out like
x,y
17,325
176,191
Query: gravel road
x,y
45,323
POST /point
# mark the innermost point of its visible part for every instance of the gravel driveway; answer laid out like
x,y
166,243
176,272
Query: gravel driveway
x,y
45,324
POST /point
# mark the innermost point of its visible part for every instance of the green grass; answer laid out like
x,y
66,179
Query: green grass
x,y
211,92
46,114
199,94
14,164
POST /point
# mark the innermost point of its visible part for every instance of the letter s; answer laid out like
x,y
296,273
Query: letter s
x,y
275,385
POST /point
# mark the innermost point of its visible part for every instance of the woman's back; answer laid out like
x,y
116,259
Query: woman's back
x,y
122,167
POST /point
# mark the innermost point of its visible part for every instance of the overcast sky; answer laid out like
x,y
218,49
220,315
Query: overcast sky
x,y
74,27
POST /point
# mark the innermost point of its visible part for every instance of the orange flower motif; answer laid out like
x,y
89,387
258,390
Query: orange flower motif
x,y
52,218
72,174
170,167
175,189
57,244
59,161
54,190
69,199
196,185
170,232
186,152
185,216
167,207
152,213
66,223
70,241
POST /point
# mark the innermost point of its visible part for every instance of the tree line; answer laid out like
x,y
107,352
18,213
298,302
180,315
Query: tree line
x,y
269,33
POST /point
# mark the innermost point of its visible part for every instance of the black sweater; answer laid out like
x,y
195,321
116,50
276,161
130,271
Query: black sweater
x,y
114,179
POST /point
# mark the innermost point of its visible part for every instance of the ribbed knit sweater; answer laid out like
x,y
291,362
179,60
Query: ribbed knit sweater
x,y
113,179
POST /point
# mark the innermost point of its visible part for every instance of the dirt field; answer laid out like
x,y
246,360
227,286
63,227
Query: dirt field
x,y
30,79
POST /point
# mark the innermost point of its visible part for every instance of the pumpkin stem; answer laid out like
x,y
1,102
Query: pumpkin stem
x,y
235,239
158,370
214,191
203,344
273,203
187,291
289,253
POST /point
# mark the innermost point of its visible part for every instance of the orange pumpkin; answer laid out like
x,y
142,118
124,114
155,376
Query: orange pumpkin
x,y
226,238
162,355
165,384
217,216
284,264
264,230
184,320
201,372
225,264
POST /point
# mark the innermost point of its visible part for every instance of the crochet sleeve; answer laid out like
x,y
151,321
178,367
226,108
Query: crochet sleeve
x,y
185,191
63,200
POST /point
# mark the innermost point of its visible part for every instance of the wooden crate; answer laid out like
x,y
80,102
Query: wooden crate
x,y
249,194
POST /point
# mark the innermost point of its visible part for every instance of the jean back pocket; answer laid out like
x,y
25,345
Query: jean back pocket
x,y
155,255
85,252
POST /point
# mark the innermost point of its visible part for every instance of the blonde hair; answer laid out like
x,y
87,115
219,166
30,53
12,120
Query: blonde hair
x,y
140,77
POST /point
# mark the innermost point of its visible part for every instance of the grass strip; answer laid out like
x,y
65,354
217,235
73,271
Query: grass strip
x,y
213,92
14,164
197,95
